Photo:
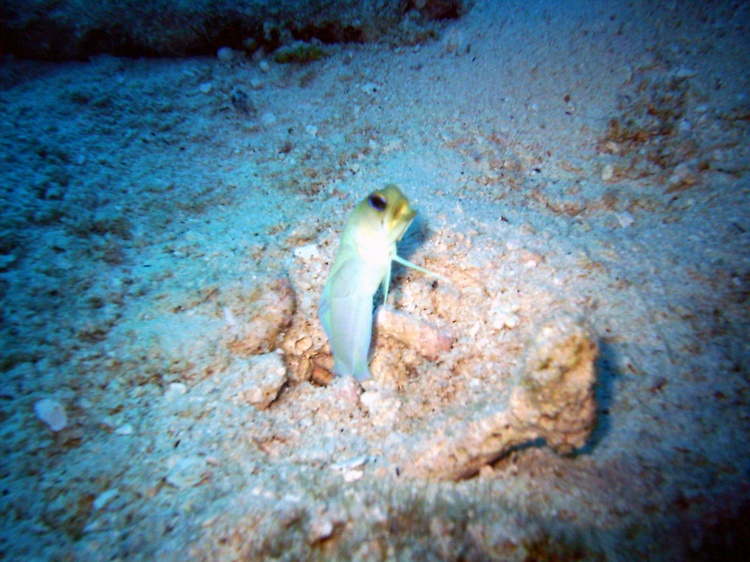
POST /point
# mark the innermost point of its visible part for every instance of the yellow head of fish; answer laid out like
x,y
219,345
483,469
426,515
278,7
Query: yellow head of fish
x,y
380,219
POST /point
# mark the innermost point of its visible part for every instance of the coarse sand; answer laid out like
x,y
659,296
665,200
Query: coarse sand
x,y
168,226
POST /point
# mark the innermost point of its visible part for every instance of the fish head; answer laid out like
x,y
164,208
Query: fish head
x,y
381,218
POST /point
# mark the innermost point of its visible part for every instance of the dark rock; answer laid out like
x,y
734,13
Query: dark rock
x,y
66,31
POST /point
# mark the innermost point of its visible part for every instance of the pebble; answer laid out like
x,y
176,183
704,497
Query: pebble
x,y
608,172
320,529
351,464
268,118
187,472
258,380
225,54
175,390
369,88
684,72
530,259
507,320
353,475
52,413
311,130
625,219
264,66
503,316
125,429
681,172
382,406
104,498
229,316
307,252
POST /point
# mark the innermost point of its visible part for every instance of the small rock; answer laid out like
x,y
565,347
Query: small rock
x,y
241,102
307,252
52,413
382,406
125,429
187,472
502,320
350,464
369,88
503,315
264,66
258,380
427,340
104,498
225,54
175,390
311,130
681,172
320,529
353,475
552,399
229,316
684,72
320,375
625,219
303,344
530,259
608,172
268,118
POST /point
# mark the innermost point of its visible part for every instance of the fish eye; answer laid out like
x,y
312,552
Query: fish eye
x,y
377,202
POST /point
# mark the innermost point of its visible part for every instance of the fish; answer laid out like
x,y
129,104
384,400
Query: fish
x,y
362,264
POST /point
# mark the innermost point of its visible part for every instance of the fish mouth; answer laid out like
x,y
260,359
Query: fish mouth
x,y
402,213
401,220
402,217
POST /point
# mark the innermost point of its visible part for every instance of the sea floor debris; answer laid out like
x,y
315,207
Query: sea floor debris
x,y
551,399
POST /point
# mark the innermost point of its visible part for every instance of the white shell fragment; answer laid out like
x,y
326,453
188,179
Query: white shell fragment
x,y
105,498
307,252
52,413
126,429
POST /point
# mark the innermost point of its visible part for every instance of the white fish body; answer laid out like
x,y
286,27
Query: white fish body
x,y
363,262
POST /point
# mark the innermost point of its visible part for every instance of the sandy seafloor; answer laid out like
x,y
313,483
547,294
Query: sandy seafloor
x,y
157,236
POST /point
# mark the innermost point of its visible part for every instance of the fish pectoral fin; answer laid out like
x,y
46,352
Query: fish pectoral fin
x,y
386,283
407,263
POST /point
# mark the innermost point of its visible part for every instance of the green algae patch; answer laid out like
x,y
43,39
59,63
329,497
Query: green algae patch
x,y
299,52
